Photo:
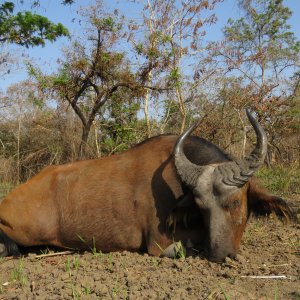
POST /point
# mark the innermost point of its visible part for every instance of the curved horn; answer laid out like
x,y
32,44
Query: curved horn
x,y
233,173
187,171
239,172
257,156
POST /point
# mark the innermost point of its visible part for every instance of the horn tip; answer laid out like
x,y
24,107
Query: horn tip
x,y
249,112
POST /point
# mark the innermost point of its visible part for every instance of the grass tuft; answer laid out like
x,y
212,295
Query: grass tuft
x,y
5,188
280,179
18,274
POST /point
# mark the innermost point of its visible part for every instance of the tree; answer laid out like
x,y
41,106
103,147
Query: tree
x,y
92,73
26,28
261,51
260,48
173,35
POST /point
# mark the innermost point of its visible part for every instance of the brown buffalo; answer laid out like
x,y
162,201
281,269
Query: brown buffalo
x,y
142,200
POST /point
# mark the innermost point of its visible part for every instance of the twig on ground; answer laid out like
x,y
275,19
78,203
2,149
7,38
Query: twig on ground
x,y
54,254
281,265
267,276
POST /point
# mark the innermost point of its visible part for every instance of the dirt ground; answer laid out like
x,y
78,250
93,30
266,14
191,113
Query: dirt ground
x,y
268,267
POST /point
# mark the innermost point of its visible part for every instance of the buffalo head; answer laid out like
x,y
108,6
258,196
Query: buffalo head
x,y
221,190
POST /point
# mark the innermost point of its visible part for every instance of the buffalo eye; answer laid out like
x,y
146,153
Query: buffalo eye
x,y
232,204
236,203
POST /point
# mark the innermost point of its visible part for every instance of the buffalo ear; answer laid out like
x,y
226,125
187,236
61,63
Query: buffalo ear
x,y
261,203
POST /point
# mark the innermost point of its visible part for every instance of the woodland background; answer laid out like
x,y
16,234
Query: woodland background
x,y
125,80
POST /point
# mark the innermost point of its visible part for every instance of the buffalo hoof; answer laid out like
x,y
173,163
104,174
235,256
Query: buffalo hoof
x,y
3,250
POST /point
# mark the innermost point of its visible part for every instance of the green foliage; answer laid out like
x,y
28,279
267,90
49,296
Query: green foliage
x,y
107,24
139,48
281,179
26,28
121,131
62,78
175,77
6,9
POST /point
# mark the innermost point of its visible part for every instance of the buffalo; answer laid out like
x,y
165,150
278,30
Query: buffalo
x,y
164,190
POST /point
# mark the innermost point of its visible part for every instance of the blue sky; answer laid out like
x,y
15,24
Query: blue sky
x,y
46,57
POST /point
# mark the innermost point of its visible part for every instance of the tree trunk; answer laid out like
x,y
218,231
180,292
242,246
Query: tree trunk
x,y
146,110
182,109
83,144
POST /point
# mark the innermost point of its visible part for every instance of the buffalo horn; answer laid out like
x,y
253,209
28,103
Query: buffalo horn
x,y
232,173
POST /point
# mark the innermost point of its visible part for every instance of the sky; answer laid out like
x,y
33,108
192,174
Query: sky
x,y
46,57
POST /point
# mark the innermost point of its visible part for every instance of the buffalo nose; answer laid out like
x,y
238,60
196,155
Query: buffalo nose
x,y
232,255
220,257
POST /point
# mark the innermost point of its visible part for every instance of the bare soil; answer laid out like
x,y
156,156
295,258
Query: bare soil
x,y
268,267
